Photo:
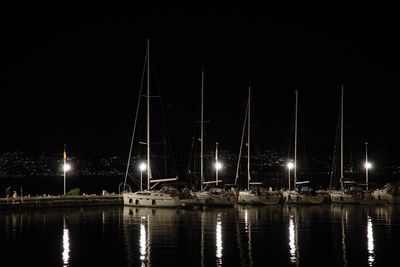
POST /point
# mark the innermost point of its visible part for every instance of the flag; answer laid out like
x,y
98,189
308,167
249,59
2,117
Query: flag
x,y
65,153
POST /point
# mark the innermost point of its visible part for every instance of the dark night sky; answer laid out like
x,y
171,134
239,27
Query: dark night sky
x,y
74,76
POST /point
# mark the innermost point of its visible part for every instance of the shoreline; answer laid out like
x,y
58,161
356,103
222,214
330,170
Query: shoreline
x,y
33,202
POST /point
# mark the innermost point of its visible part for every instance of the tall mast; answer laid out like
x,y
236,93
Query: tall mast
x,y
366,165
64,167
248,144
295,140
241,142
202,132
216,162
149,175
341,143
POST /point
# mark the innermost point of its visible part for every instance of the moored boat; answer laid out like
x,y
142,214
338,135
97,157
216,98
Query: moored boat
x,y
304,192
167,196
390,193
255,193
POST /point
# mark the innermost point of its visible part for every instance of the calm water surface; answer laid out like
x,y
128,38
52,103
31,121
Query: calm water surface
x,y
239,236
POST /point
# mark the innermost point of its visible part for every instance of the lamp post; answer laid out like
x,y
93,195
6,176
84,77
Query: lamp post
x,y
66,168
218,164
290,166
142,167
367,165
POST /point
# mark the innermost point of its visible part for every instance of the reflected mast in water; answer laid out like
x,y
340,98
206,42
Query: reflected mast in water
x,y
344,250
134,218
65,252
248,230
202,240
245,215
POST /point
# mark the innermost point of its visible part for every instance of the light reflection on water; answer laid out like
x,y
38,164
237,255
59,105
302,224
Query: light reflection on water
x,y
218,244
370,238
292,243
66,250
240,236
142,241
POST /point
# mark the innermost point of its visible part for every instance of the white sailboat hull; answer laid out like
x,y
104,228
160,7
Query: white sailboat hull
x,y
294,197
207,199
249,198
382,194
367,198
153,199
340,197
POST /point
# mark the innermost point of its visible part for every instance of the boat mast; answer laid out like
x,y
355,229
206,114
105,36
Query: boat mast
x,y
149,175
216,162
341,143
202,132
248,145
366,165
241,143
295,140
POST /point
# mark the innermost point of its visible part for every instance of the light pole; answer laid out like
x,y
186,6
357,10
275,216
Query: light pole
x,y
367,165
290,166
142,167
218,164
66,167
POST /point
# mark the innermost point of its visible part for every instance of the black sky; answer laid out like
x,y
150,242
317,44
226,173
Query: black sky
x,y
73,76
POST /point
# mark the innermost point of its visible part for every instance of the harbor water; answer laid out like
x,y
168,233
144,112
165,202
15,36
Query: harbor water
x,y
325,235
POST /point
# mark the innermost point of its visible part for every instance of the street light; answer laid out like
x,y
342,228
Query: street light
x,y
66,168
289,165
142,167
218,166
367,165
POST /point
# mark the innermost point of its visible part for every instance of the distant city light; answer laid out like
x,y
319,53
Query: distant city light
x,y
368,165
218,165
67,167
142,166
290,165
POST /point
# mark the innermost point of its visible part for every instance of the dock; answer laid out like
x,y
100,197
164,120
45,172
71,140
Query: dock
x,y
60,201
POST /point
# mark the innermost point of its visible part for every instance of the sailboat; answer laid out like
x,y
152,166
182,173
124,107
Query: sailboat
x,y
255,193
390,193
303,192
214,196
367,195
167,196
349,192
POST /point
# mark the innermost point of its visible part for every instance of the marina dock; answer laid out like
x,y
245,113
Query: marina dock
x,y
59,201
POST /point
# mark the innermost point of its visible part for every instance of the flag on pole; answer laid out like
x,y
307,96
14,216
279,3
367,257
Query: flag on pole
x,y
65,153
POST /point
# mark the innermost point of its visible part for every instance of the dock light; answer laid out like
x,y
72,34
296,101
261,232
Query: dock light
x,y
289,165
142,167
218,165
368,165
67,167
